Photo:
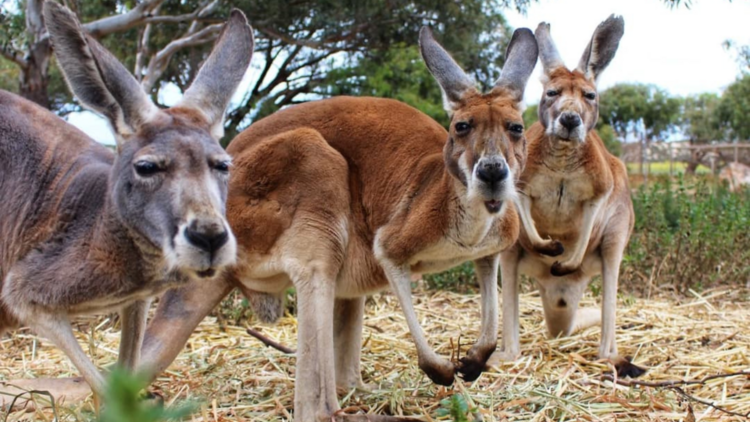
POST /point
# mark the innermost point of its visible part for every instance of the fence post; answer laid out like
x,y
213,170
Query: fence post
x,y
640,161
736,152
671,160
713,161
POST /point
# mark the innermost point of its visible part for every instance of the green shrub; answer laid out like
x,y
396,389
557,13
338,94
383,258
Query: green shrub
x,y
689,234
458,279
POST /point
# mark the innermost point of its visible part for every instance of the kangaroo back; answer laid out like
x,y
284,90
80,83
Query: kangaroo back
x,y
40,159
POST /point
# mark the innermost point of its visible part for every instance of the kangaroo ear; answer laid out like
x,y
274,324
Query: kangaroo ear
x,y
95,76
453,81
602,47
222,72
520,59
548,53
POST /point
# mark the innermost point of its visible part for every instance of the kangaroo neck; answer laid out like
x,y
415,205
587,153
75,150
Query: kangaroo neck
x,y
563,155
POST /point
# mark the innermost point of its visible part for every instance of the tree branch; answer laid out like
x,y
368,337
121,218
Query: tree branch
x,y
13,55
143,49
125,21
270,58
199,14
272,33
677,386
270,343
342,36
160,60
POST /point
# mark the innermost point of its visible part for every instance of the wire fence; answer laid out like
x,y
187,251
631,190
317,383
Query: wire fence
x,y
647,158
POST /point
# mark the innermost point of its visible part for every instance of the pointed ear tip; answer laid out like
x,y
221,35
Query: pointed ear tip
x,y
425,36
542,26
615,20
524,36
237,16
523,32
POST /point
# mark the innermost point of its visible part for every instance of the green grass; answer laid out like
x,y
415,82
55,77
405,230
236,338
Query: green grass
x,y
662,167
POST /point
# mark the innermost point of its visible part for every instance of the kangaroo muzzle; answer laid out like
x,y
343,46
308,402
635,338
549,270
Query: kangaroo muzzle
x,y
493,176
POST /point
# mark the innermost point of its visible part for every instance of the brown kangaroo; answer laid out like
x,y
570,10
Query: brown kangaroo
x,y
343,197
575,192
86,231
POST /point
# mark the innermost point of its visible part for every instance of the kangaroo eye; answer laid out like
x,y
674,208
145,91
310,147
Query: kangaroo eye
x,y
146,168
222,166
552,93
462,128
515,128
590,95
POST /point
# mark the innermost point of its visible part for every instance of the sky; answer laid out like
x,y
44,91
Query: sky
x,y
679,50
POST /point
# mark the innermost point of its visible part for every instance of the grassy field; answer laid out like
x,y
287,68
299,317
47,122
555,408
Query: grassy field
x,y
662,167
683,313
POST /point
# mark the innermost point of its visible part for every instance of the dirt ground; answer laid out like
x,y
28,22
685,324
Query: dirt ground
x,y
235,378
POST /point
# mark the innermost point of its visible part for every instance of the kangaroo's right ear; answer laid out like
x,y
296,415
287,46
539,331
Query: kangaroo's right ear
x,y
602,48
520,60
453,81
548,54
95,76
222,73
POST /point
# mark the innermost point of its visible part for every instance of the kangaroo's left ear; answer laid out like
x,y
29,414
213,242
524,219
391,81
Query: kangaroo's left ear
x,y
602,48
453,81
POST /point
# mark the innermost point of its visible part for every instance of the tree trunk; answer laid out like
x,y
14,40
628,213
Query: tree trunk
x,y
34,77
696,156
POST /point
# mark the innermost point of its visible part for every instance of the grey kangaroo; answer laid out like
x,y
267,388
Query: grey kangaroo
x,y
83,230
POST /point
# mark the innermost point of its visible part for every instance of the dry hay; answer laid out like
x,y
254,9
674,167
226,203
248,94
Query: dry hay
x,y
237,379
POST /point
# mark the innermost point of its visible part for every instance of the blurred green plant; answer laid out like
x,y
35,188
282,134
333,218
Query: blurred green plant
x,y
458,279
124,402
456,407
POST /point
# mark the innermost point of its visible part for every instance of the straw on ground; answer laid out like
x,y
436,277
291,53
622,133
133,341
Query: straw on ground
x,y
236,378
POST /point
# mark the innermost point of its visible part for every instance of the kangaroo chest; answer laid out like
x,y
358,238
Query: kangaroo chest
x,y
557,201
465,241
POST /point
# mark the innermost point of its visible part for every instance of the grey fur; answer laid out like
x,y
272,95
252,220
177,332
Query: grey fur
x,y
95,76
82,230
602,48
453,81
222,72
267,307
548,54
520,59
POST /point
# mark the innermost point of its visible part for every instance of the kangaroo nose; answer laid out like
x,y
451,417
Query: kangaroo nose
x,y
570,120
207,236
492,171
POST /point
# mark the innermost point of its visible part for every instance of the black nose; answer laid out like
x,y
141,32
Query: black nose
x,y
570,120
209,237
492,171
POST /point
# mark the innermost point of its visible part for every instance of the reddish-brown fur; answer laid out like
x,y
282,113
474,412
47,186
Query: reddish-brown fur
x,y
574,201
281,174
346,196
316,184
